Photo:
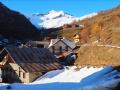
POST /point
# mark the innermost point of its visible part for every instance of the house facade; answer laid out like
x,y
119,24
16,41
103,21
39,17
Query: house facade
x,y
26,64
59,46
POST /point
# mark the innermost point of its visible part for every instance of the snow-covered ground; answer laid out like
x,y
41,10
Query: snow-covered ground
x,y
67,75
55,19
71,79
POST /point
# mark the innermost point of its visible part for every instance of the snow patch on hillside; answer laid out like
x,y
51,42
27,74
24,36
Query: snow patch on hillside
x,y
88,16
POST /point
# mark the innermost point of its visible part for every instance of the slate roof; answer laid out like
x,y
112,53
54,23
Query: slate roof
x,y
33,59
69,43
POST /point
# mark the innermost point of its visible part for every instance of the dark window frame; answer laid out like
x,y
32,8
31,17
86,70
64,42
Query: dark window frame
x,y
19,72
66,48
53,49
60,48
24,75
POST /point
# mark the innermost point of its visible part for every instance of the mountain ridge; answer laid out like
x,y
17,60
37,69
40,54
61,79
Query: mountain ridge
x,y
15,24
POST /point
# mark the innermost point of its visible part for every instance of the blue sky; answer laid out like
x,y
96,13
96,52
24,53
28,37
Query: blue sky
x,y
74,7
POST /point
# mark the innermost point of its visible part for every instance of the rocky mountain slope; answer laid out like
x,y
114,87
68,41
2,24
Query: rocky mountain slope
x,y
104,27
101,35
98,55
14,24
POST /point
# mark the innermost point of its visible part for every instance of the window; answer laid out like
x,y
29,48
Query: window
x,y
53,49
19,72
66,48
23,75
0,72
40,45
60,49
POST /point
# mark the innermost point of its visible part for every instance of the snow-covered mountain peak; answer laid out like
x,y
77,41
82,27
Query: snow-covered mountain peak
x,y
53,12
54,15
55,19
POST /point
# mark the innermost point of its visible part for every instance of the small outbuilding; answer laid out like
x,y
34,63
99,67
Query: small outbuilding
x,y
22,64
76,38
39,44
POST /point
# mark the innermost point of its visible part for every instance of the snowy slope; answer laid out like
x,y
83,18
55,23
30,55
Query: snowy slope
x,y
71,79
88,16
55,19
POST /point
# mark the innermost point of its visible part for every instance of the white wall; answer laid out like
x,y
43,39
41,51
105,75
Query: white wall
x,y
57,47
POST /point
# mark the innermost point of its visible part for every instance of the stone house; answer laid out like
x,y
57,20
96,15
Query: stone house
x,y
22,64
60,46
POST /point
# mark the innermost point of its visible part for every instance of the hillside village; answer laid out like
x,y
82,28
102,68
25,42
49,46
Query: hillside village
x,y
85,52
